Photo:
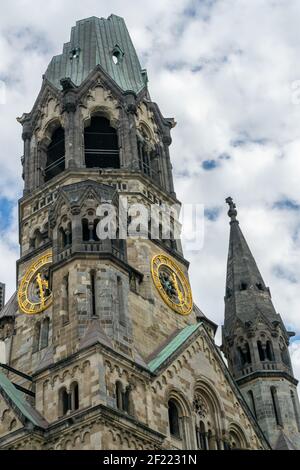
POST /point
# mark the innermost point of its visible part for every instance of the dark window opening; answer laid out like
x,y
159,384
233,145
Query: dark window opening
x,y
295,407
201,436
245,355
243,286
74,396
85,230
260,286
276,407
55,155
174,423
63,401
101,144
261,351
95,236
93,293
65,237
252,403
45,333
119,395
285,356
269,351
123,398
145,158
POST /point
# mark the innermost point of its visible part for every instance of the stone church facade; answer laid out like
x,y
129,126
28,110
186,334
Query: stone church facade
x,y
103,346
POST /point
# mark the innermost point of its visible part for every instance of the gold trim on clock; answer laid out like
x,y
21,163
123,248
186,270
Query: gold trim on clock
x,y
172,284
34,295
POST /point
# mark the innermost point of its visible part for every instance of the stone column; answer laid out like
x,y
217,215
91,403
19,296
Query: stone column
x,y
76,229
40,164
167,142
26,136
69,108
132,151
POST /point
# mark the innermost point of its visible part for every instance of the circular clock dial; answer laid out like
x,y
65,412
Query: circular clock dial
x,y
172,284
34,295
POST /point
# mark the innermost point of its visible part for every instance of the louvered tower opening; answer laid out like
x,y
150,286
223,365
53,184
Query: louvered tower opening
x,y
101,144
55,154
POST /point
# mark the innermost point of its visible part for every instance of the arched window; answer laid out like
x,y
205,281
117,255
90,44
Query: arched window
x,y
65,236
101,144
269,351
295,408
174,422
63,401
95,236
36,337
45,333
119,395
234,441
55,154
37,240
252,402
74,396
207,415
123,398
261,351
244,353
276,407
285,357
89,230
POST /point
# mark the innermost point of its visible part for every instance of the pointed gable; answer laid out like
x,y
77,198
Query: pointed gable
x,y
17,402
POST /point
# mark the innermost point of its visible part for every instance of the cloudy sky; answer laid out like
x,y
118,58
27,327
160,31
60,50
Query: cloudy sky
x,y
229,72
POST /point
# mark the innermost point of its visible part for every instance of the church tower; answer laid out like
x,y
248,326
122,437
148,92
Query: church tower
x,y
255,343
104,346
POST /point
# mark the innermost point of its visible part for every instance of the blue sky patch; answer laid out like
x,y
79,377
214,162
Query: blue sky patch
x,y
212,213
208,165
285,274
287,204
6,209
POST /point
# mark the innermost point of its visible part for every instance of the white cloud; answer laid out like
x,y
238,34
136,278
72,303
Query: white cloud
x,y
225,72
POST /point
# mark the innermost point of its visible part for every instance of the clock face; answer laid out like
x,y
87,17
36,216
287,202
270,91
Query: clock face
x,y
172,284
34,295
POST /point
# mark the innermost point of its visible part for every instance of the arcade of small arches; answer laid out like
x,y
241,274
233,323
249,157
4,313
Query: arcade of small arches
x,y
101,144
265,352
202,422
198,425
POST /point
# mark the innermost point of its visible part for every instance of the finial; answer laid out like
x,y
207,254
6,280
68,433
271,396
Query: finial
x,y
232,213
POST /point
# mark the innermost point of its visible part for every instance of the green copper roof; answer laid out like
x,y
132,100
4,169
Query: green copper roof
x,y
93,42
175,344
19,400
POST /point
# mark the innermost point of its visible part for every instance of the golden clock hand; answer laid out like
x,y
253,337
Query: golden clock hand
x,y
42,283
179,293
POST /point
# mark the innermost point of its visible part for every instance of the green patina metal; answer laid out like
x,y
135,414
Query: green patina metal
x,y
173,346
99,41
18,399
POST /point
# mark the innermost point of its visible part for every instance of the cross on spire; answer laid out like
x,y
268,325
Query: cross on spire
x,y
232,213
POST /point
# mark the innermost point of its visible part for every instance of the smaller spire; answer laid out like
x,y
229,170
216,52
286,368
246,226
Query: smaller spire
x,y
232,213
